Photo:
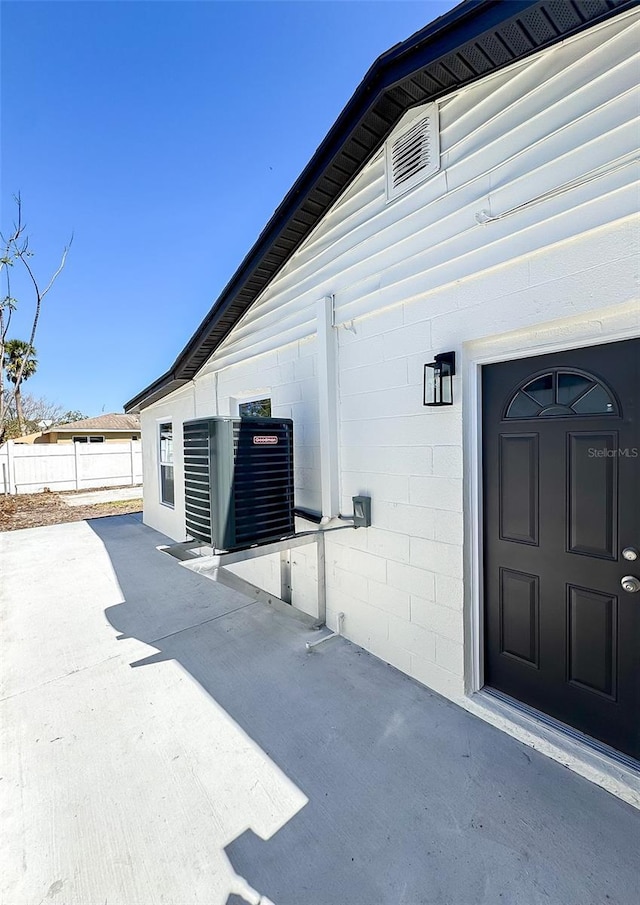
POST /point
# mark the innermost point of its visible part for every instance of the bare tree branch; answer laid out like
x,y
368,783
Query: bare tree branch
x,y
6,264
17,249
40,295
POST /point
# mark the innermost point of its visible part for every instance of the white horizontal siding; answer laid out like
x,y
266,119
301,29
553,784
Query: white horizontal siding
x,y
505,141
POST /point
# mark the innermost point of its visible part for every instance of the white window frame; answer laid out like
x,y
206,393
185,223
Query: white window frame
x,y
166,462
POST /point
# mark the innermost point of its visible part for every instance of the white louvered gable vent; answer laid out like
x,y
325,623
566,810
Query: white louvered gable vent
x,y
410,153
413,151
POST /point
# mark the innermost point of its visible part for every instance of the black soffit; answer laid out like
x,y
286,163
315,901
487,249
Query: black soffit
x,y
474,39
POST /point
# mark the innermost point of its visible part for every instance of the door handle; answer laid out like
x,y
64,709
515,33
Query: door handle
x,y
630,584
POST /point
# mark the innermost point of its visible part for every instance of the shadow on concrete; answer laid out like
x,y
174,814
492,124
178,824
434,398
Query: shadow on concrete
x,y
411,800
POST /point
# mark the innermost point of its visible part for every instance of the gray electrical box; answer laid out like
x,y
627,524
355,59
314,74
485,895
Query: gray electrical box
x,y
361,511
238,475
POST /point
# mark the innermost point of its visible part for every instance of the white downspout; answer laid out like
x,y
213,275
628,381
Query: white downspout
x,y
328,408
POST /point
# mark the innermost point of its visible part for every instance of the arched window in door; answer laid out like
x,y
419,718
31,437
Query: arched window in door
x,y
561,393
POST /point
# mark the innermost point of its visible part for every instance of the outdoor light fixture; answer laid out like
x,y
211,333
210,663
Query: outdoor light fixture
x,y
438,379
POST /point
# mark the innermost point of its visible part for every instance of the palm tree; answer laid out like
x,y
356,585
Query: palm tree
x,y
20,363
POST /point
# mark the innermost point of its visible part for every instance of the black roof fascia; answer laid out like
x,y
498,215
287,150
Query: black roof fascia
x,y
475,38
155,391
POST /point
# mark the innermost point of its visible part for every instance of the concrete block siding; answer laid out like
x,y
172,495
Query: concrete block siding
x,y
420,276
399,583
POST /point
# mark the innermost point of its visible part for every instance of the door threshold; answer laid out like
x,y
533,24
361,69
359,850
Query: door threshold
x,y
618,773
600,747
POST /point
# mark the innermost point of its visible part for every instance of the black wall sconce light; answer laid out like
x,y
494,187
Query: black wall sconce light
x,y
438,379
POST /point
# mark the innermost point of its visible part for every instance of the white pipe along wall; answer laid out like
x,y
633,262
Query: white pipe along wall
x,y
328,407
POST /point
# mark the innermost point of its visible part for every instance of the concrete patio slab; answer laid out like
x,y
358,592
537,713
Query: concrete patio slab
x,y
163,735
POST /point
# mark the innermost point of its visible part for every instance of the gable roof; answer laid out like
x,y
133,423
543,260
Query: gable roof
x,y
110,423
472,40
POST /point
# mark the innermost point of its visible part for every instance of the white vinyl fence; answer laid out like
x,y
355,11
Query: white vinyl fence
x,y
30,468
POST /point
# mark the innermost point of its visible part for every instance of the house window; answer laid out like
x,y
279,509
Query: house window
x,y
80,439
96,439
167,495
561,393
257,408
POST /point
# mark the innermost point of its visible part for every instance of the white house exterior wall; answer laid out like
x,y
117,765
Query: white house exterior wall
x,y
526,238
177,408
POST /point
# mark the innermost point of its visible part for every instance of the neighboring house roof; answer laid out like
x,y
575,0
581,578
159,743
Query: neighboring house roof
x,y
111,423
475,38
27,438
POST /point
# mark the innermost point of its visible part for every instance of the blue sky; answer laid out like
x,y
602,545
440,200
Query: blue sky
x,y
162,135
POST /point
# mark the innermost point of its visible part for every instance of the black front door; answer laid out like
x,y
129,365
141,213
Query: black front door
x,y
561,464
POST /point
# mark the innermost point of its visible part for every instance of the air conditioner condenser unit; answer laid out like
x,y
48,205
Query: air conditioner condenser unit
x,y
238,475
